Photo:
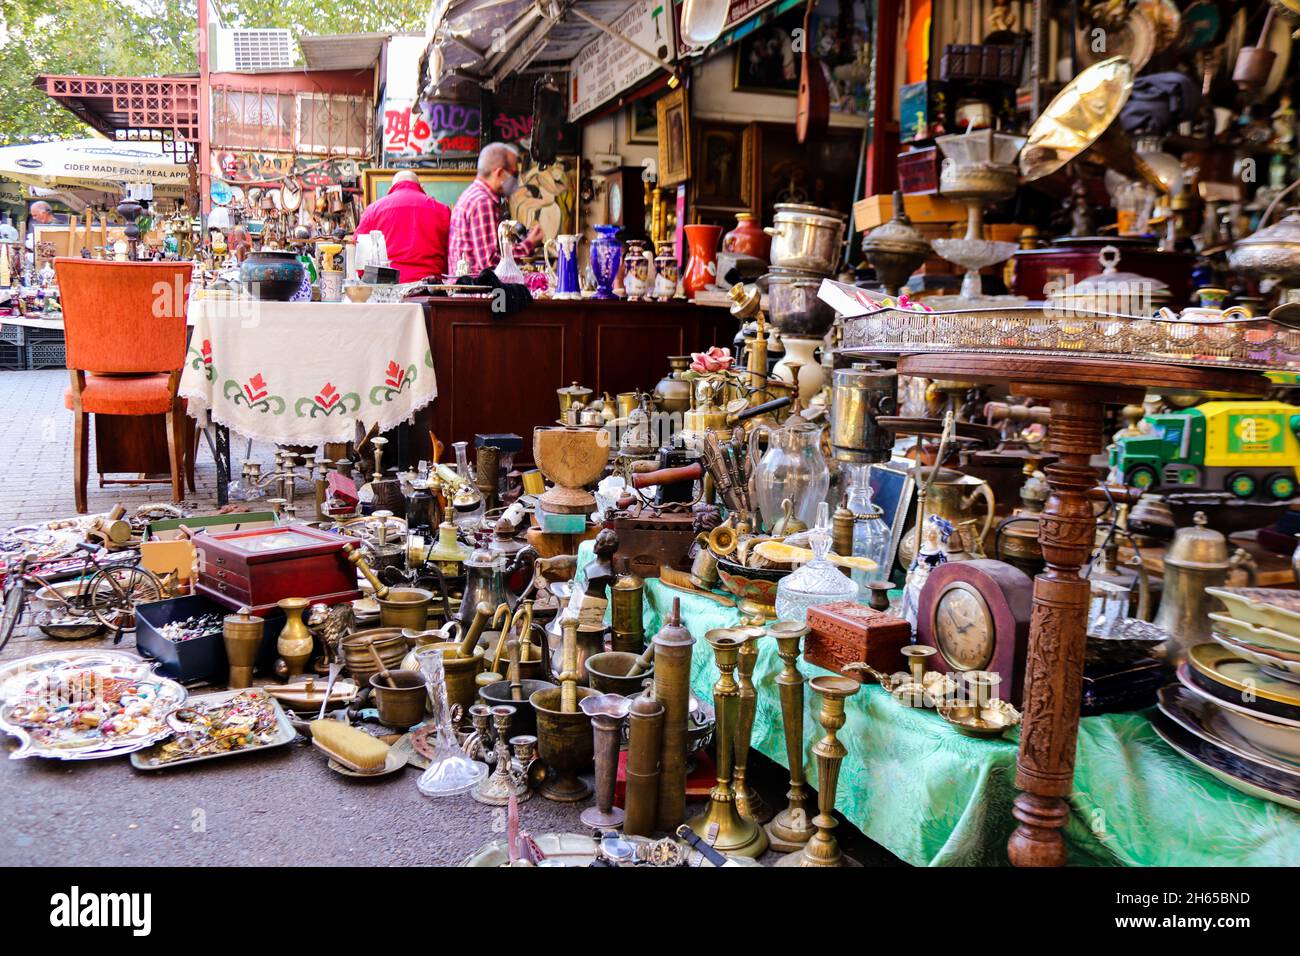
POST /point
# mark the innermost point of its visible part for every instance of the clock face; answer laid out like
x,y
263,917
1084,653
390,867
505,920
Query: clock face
x,y
963,628
615,203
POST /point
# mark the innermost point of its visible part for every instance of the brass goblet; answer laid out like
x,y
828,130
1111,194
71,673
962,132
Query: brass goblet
x,y
735,834
748,801
822,848
789,830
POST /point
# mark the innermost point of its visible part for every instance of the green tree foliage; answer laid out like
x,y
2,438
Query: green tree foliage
x,y
144,38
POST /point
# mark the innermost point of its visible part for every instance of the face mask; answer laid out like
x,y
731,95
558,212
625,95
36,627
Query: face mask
x,y
509,185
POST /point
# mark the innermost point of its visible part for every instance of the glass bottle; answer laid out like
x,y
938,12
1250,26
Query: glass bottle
x,y
818,581
870,531
792,467
467,502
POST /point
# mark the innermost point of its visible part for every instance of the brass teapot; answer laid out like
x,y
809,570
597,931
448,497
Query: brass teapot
x,y
950,495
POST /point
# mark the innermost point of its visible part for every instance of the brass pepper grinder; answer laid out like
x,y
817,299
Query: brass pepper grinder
x,y
496,790
748,801
789,830
626,600
644,737
242,634
735,834
672,689
487,470
822,848
607,712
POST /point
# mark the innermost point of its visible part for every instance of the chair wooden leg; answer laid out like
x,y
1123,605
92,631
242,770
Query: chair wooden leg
x,y
80,459
191,432
176,451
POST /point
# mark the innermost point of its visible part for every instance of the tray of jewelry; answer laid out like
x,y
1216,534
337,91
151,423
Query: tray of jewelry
x,y
90,711
219,725
884,327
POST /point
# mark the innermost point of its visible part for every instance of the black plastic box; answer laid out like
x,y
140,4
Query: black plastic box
x,y
203,657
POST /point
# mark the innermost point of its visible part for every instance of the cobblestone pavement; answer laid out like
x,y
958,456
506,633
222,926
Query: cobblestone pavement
x,y
280,807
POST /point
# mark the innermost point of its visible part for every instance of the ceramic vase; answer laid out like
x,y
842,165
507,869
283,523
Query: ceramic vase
x,y
606,256
273,275
702,267
748,238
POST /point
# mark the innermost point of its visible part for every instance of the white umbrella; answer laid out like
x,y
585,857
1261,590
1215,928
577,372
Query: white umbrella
x,y
92,162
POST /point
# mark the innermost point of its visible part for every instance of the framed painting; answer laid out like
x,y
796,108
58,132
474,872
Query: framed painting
x,y
724,165
766,61
444,185
642,123
674,129
548,196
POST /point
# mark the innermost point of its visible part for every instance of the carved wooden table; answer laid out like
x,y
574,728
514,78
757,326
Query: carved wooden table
x,y
1078,390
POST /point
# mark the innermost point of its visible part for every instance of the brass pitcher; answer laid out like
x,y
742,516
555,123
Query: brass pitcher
x,y
950,495
1197,559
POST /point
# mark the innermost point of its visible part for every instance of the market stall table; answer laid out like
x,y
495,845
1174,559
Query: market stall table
x,y
251,370
934,797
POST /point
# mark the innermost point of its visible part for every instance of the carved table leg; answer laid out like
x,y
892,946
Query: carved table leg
x,y
1054,671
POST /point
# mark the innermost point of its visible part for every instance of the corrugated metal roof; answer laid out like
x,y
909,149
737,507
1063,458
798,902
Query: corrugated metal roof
x,y
342,51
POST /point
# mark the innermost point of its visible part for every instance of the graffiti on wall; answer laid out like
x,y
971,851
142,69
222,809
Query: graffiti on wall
x,y
447,128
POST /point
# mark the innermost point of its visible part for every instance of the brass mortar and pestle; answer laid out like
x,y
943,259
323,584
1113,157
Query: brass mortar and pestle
x,y
400,696
462,662
620,672
564,736
398,607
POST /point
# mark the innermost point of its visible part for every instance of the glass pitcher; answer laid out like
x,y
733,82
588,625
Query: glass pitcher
x,y
792,467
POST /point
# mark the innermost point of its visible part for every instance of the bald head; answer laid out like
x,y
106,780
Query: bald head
x,y
406,176
41,212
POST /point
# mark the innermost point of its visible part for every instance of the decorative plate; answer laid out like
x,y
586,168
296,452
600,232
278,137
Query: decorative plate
x,y
1223,765
1227,668
1269,607
1203,719
1255,634
1284,666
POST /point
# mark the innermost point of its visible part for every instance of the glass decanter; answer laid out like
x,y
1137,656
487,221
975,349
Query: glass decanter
x,y
450,771
870,532
467,502
792,467
818,581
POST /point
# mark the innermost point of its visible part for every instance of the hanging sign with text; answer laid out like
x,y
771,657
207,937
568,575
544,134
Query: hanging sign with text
x,y
607,66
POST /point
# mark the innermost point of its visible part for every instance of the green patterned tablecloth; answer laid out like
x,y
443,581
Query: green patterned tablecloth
x,y
934,797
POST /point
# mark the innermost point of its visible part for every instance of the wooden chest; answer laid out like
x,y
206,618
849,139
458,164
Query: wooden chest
x,y
256,568
845,632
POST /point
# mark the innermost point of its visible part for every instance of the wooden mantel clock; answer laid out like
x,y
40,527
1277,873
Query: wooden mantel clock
x,y
976,615
1078,390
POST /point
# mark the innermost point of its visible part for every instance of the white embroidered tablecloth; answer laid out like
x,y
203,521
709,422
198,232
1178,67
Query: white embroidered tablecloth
x,y
304,373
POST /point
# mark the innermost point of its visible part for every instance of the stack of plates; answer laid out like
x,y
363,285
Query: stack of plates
x,y
1237,721
1262,626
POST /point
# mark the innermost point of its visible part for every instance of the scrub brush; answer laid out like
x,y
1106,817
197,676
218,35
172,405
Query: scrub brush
x,y
348,746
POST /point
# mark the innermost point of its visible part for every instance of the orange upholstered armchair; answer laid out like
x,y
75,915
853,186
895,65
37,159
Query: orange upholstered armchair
x,y
124,323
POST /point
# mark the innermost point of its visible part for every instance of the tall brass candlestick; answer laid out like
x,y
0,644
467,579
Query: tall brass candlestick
x,y
789,830
673,645
735,834
822,848
748,801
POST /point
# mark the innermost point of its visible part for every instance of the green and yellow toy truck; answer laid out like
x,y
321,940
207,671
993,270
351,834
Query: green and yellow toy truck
x,y
1248,449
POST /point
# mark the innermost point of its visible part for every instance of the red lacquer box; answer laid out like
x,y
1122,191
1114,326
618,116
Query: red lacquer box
x,y
258,567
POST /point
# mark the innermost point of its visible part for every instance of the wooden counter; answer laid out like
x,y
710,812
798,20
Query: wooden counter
x,y
499,373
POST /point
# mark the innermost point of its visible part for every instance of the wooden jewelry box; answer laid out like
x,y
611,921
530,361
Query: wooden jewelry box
x,y
260,566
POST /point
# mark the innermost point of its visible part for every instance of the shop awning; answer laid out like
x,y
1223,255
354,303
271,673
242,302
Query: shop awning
x,y
93,164
481,42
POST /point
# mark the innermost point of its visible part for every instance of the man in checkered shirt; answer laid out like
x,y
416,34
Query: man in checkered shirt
x,y
473,245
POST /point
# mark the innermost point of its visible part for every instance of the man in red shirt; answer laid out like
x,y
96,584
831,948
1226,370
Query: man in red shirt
x,y
415,227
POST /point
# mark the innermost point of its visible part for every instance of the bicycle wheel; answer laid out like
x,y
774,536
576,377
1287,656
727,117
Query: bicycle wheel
x,y
114,592
15,599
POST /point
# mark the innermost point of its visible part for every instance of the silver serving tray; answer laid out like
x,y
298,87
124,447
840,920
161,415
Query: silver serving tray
x,y
1256,344
285,733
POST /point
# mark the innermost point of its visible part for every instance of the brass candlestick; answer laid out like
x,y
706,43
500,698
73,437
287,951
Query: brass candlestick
x,y
748,801
790,830
735,834
497,789
607,712
822,848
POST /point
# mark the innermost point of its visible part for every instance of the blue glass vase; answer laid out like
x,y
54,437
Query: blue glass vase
x,y
606,257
